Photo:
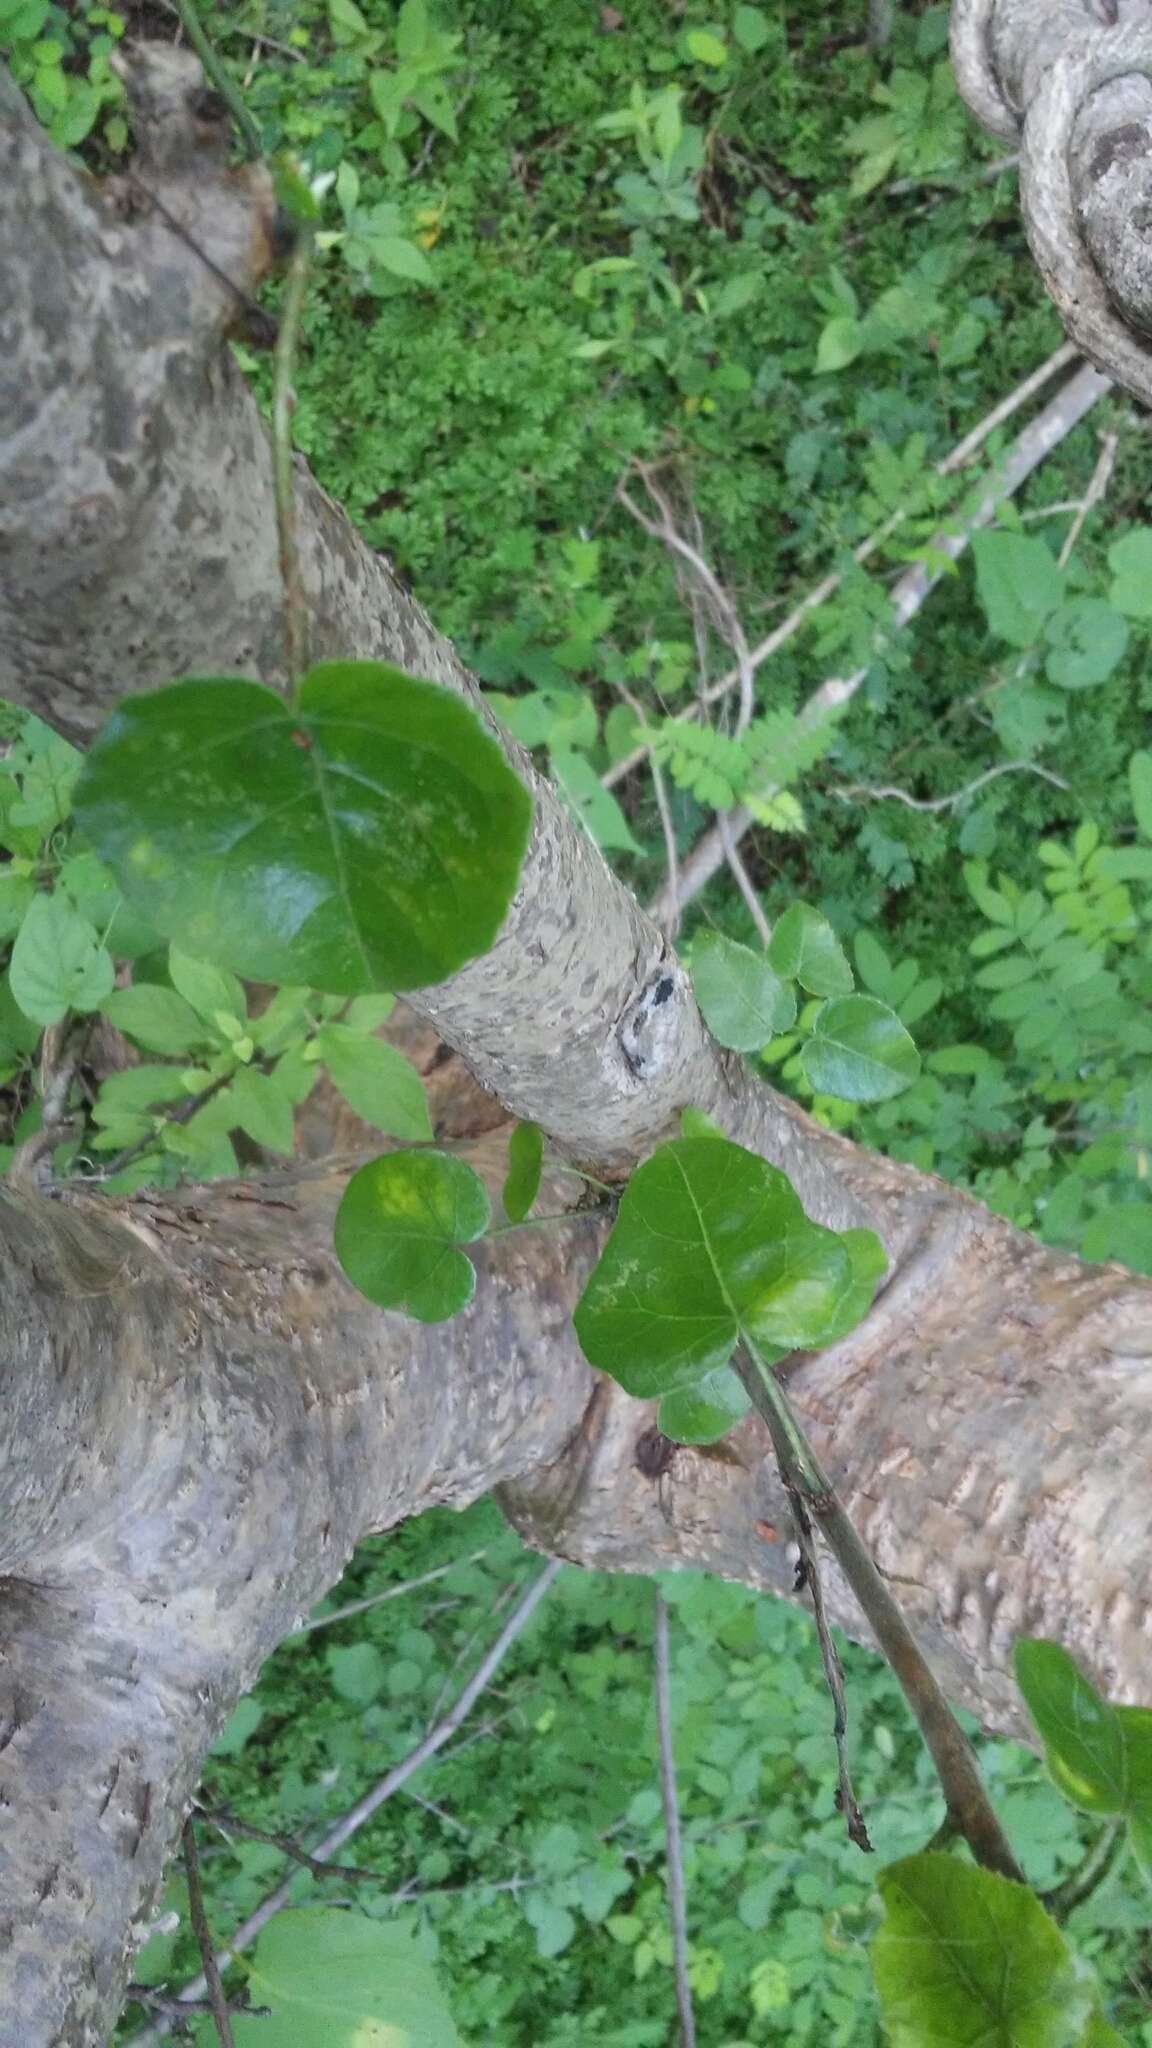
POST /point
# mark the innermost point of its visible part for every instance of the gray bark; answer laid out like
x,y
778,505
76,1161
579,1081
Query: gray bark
x,y
201,1418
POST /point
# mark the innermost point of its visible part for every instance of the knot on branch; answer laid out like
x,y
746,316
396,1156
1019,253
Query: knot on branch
x,y
1070,81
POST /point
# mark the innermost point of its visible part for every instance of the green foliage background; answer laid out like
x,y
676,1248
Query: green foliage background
x,y
794,292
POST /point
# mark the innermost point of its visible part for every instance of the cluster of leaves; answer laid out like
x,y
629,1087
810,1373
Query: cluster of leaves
x,y
111,875
847,1046
60,57
1052,1127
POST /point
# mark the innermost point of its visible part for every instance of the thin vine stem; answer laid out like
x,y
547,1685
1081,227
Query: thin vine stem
x,y
283,469
221,78
967,1800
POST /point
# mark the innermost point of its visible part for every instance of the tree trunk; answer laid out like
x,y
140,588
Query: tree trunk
x,y
201,1417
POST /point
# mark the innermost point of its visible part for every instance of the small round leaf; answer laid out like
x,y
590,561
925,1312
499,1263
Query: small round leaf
x,y
805,948
398,1230
859,1051
743,1001
1086,641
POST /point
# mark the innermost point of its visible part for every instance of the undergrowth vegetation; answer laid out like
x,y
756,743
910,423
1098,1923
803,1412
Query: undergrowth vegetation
x,y
632,325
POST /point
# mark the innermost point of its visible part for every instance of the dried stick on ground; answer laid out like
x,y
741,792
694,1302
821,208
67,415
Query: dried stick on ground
x,y
1027,452
956,460
674,1854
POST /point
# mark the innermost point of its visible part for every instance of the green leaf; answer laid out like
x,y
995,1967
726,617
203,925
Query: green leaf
x,y
156,1018
368,1013
704,1411
346,21
525,1159
401,258
841,341
16,893
595,806
1083,1738
136,1089
750,29
967,1957
869,1263
335,1979
58,963
263,1109
705,47
1019,583
859,1051
805,948
1136,1727
1087,640
284,1022
1130,560
710,1241
97,895
376,1081
743,1002
398,1229
696,1123
358,1672
1140,783
371,839
211,991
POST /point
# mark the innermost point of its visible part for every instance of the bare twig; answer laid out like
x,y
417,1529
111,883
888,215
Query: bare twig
x,y
948,1746
809,1577
957,459
283,468
398,1776
1097,486
229,1824
850,790
742,878
674,1853
217,2002
389,1593
724,611
908,595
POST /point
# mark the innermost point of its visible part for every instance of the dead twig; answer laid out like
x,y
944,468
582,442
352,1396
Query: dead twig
x,y
217,2002
674,1852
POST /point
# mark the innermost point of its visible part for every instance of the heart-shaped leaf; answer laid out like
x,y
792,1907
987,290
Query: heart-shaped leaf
x,y
525,1160
743,1001
58,963
704,1411
1086,639
968,1957
399,1227
860,1051
370,838
805,948
710,1243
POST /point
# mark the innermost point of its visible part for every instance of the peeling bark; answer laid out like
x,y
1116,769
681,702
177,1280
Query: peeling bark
x,y
201,1418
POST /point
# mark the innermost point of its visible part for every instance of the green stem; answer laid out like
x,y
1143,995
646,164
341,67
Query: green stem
x,y
216,69
1089,1874
968,1803
284,480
